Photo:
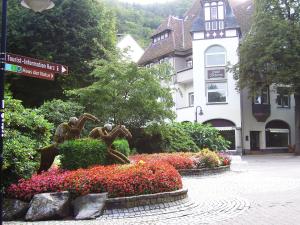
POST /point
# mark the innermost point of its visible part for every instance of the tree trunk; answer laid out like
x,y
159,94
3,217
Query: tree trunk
x,y
297,122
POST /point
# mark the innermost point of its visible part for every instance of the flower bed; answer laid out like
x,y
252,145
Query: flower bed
x,y
148,174
183,160
177,160
119,181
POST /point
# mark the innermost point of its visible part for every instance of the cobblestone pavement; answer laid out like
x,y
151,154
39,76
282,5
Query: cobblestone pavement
x,y
266,192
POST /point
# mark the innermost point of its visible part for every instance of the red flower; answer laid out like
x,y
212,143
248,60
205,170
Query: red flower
x,y
127,180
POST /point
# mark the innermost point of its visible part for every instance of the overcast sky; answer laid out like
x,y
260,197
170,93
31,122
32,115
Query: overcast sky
x,y
146,1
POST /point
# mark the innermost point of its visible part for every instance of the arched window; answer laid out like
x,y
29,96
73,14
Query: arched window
x,y
226,129
277,134
215,56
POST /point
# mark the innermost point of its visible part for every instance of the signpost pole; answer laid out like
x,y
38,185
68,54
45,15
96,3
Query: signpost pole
x,y
2,64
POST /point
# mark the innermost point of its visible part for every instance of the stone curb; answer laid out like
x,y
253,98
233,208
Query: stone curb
x,y
142,200
204,171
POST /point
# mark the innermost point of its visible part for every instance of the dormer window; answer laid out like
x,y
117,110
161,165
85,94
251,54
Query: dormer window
x,y
160,36
189,63
214,15
213,11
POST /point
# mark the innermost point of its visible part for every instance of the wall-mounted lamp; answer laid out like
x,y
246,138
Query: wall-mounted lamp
x,y
200,111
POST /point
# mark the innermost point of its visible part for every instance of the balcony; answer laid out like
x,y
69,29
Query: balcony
x,y
261,112
185,76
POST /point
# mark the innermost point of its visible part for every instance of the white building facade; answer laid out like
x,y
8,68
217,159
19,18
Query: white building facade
x,y
131,48
205,42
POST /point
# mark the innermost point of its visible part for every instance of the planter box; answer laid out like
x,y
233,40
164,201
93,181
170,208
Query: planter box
x,y
204,171
141,200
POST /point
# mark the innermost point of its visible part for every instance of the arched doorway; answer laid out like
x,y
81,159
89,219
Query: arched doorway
x,y
277,134
226,129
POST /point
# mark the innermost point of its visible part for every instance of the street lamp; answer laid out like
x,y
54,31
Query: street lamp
x,y
37,6
196,113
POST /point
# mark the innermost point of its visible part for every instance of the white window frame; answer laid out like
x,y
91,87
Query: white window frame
x,y
221,24
214,25
213,13
215,90
215,53
191,98
258,96
220,11
189,63
282,96
207,26
207,13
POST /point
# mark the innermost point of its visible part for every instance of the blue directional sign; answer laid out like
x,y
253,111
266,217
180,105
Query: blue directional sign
x,y
13,68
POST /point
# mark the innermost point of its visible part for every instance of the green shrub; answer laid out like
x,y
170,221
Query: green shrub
x,y
176,137
25,132
57,111
82,153
122,146
172,138
145,141
205,136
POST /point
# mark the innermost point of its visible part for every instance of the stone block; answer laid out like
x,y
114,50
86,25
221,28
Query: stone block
x,y
89,206
14,209
47,206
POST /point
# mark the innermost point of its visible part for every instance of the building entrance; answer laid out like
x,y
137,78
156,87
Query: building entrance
x,y
226,128
229,135
254,141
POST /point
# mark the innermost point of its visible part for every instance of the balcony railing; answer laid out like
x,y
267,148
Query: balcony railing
x,y
185,76
261,111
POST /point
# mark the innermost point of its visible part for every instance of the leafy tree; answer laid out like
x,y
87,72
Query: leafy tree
x,y
72,33
270,53
58,111
125,93
25,132
141,20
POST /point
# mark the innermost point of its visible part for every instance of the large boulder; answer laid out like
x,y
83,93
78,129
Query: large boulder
x,y
89,206
49,206
14,209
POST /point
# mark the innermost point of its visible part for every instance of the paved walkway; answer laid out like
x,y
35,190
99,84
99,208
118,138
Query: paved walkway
x,y
266,191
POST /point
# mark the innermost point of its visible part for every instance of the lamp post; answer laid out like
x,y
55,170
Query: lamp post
x,y
36,6
196,113
2,62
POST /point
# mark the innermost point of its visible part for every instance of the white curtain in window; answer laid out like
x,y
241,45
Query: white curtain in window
x,y
207,13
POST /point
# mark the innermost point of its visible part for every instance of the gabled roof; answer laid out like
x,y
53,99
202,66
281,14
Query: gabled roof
x,y
180,39
170,44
